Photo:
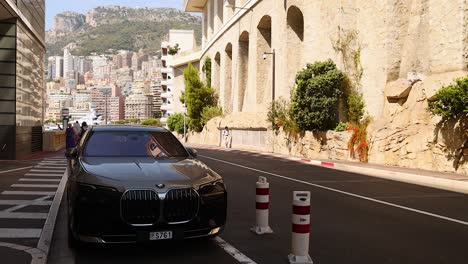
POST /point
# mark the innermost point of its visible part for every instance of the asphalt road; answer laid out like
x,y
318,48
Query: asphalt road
x,y
354,219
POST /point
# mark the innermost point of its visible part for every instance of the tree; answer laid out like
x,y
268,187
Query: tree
x,y
197,96
314,104
175,123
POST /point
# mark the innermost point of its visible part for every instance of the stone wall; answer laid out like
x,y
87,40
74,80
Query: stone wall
x,y
397,53
393,39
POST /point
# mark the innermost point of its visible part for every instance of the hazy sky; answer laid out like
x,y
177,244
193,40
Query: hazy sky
x,y
54,7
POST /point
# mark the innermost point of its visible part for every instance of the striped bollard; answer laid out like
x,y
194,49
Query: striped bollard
x,y
300,228
262,200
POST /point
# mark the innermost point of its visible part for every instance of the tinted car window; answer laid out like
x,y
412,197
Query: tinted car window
x,y
133,144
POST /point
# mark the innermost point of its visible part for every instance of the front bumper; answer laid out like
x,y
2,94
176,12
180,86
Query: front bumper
x,y
98,219
135,238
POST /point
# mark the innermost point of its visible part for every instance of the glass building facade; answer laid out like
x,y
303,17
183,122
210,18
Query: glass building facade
x,y
22,77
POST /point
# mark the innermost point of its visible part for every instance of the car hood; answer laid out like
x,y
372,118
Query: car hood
x,y
146,169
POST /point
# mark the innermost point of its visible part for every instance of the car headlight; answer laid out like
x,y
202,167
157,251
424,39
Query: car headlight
x,y
212,189
94,193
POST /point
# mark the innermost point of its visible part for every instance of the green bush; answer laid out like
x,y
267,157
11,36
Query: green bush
x,y
341,127
197,96
175,123
314,104
152,122
210,112
451,101
279,114
356,108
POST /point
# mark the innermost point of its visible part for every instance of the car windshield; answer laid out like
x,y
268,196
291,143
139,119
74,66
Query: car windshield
x,y
134,144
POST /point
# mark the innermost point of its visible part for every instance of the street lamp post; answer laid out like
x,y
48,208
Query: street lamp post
x,y
272,89
274,71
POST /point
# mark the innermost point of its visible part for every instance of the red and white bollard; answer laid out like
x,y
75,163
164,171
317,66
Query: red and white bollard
x,y
300,228
262,200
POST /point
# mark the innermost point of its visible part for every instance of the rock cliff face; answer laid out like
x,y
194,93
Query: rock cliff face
x,y
65,23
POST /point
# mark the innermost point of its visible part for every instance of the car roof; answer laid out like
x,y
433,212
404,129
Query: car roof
x,y
127,128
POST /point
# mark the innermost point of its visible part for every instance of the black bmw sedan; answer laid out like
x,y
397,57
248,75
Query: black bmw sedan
x,y
139,184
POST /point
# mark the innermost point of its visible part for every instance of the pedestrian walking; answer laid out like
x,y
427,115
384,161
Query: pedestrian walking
x,y
84,128
77,130
70,140
226,137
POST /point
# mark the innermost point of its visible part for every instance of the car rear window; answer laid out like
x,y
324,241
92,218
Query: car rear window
x,y
134,144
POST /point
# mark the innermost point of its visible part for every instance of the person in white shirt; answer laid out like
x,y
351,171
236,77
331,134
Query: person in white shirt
x,y
226,138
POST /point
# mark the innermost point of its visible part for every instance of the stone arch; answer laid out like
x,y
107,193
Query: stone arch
x,y
264,67
227,80
243,70
295,38
296,21
216,80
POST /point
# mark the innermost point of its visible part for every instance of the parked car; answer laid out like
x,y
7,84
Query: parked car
x,y
139,184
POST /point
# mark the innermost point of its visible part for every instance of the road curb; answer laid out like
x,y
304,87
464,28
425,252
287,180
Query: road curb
x,y
45,239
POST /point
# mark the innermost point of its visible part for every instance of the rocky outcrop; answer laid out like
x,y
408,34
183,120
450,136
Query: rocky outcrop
x,y
66,23
407,135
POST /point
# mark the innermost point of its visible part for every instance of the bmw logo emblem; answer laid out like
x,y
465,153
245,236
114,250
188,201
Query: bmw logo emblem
x,y
160,185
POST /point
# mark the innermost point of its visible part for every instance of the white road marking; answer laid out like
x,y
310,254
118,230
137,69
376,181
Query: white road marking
x,y
43,175
23,215
24,202
236,254
38,180
23,168
27,193
51,167
47,170
20,232
420,196
32,202
345,193
19,185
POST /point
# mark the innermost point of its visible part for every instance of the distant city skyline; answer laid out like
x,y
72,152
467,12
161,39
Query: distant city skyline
x,y
54,7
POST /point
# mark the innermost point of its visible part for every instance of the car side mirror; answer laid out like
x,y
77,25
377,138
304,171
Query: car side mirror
x,y
71,153
192,152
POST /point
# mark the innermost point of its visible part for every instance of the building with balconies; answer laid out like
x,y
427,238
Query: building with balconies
x,y
185,41
139,106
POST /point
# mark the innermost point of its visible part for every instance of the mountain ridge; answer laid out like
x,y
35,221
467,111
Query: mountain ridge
x,y
107,28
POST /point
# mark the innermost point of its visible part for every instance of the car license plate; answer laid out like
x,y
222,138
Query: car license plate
x,y
160,235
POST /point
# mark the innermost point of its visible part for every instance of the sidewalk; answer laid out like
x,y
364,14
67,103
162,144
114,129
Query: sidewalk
x,y
447,181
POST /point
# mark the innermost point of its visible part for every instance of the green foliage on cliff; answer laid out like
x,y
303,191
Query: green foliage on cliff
x,y
451,101
314,104
356,108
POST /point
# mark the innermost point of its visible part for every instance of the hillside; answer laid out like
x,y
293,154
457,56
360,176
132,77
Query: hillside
x,y
111,28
